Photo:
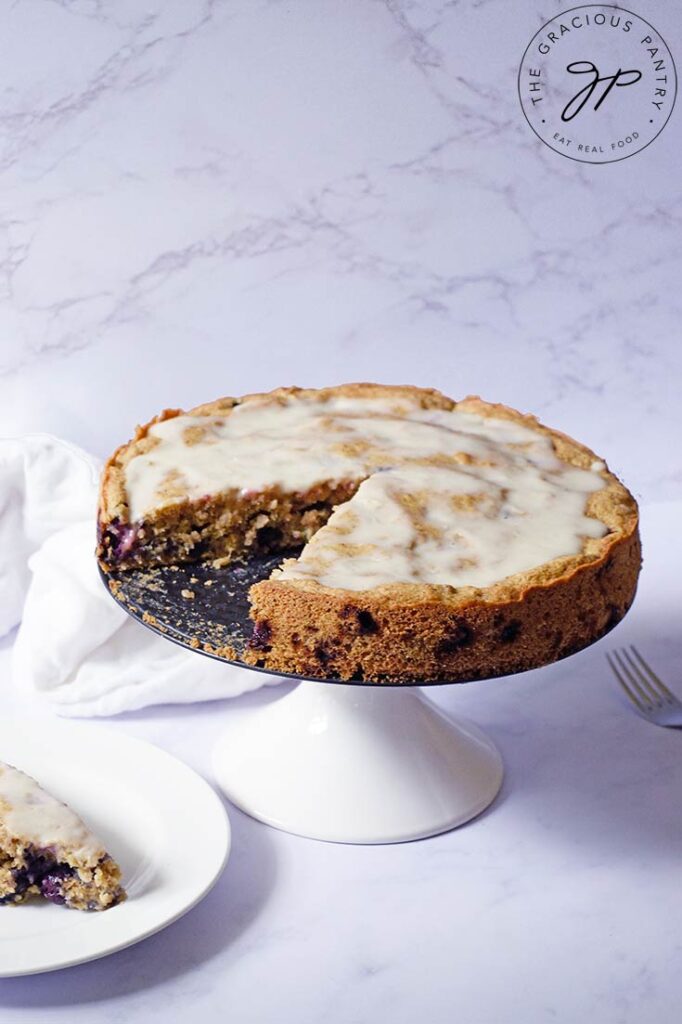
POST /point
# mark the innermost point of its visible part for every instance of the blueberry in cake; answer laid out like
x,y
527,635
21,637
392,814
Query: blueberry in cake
x,y
46,850
439,540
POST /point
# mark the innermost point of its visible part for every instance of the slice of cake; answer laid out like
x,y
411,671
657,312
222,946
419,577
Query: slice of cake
x,y
46,850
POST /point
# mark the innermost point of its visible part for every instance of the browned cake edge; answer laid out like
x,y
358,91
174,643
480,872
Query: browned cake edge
x,y
384,639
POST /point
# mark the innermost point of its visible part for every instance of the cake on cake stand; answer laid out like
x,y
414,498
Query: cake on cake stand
x,y
348,762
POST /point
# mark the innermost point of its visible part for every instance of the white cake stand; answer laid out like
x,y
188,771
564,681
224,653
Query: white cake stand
x,y
342,762
356,764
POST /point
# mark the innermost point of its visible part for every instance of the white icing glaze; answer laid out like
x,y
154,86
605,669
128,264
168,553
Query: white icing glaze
x,y
372,539
409,520
32,815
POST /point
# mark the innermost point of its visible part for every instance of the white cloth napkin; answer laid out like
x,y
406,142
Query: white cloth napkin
x,y
75,646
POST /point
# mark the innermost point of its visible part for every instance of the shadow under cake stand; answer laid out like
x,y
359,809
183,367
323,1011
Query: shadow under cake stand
x,y
348,762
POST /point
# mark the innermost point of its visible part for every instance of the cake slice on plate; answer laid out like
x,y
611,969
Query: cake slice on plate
x,y
46,850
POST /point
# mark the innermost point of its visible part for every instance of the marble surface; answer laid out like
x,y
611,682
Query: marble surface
x,y
207,198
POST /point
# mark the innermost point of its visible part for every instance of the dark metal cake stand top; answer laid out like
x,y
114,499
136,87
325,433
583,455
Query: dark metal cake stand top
x,y
203,608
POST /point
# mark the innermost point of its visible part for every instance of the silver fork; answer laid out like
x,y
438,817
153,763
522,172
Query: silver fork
x,y
649,694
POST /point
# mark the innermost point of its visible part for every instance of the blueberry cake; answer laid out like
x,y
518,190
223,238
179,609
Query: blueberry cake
x,y
436,540
46,850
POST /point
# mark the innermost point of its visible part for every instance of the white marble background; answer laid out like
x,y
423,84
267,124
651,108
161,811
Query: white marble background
x,y
212,198
209,198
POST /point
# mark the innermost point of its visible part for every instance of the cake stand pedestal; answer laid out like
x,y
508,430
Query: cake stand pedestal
x,y
356,764
342,762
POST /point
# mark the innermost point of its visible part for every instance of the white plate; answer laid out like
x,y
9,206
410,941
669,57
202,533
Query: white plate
x,y
160,820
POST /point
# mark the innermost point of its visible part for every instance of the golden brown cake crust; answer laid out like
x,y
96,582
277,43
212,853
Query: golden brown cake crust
x,y
405,632
426,634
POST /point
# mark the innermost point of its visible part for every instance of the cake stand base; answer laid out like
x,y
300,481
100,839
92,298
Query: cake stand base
x,y
356,764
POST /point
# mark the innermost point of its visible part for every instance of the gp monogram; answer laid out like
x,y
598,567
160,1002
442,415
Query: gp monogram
x,y
597,83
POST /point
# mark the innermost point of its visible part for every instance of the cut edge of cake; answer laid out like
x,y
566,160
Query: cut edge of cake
x,y
228,524
79,875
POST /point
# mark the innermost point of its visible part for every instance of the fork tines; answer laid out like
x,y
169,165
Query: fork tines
x,y
639,681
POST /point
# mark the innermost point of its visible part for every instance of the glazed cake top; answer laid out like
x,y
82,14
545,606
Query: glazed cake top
x,y
446,495
29,814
